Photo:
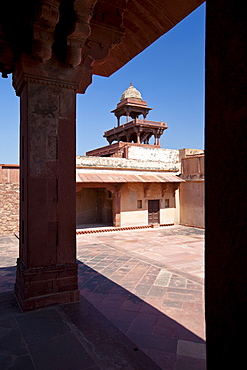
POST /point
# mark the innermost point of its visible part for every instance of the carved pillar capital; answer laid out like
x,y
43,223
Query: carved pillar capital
x,y
50,73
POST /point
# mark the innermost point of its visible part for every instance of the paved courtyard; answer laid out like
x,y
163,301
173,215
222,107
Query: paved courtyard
x,y
142,305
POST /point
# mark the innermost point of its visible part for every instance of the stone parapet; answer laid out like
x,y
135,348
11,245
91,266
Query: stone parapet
x,y
123,163
154,154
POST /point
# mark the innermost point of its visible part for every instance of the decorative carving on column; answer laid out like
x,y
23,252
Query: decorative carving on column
x,y
81,30
43,29
91,43
62,33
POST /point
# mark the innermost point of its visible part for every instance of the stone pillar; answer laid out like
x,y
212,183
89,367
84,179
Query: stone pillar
x,y
53,59
46,267
225,180
116,209
138,134
176,205
116,205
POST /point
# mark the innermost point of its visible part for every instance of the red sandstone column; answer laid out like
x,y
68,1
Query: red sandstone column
x,y
46,267
116,209
116,206
63,44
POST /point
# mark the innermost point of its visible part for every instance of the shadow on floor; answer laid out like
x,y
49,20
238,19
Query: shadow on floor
x,y
110,328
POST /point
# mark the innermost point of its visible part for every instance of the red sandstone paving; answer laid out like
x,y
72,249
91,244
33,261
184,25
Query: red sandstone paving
x,y
179,303
122,287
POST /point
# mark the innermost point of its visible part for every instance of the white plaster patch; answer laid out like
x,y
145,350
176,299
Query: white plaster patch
x,y
153,154
191,349
163,278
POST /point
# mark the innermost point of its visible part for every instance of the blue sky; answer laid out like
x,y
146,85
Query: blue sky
x,y
170,76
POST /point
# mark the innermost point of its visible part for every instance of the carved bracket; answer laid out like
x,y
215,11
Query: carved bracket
x,y
43,29
62,33
80,31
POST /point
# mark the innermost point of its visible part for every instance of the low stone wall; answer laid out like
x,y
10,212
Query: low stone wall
x,y
9,208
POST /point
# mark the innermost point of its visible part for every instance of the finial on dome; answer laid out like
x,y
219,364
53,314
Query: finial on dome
x,y
131,84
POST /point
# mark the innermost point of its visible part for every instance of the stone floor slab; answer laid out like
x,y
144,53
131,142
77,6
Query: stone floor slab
x,y
150,293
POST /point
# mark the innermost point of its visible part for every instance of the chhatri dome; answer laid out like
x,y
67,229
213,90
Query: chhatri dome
x,y
131,92
139,131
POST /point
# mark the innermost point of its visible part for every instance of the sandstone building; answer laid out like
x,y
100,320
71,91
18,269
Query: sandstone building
x,y
131,182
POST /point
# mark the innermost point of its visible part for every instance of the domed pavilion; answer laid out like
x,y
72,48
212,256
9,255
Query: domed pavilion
x,y
134,130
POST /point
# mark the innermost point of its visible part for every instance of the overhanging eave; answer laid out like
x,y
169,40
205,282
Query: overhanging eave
x,y
144,22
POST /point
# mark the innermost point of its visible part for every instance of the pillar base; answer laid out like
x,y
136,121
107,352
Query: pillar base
x,y
44,286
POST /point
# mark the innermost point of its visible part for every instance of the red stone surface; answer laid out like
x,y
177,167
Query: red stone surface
x,y
47,270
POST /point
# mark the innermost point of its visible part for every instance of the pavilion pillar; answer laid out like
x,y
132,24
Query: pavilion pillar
x,y
138,136
46,267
